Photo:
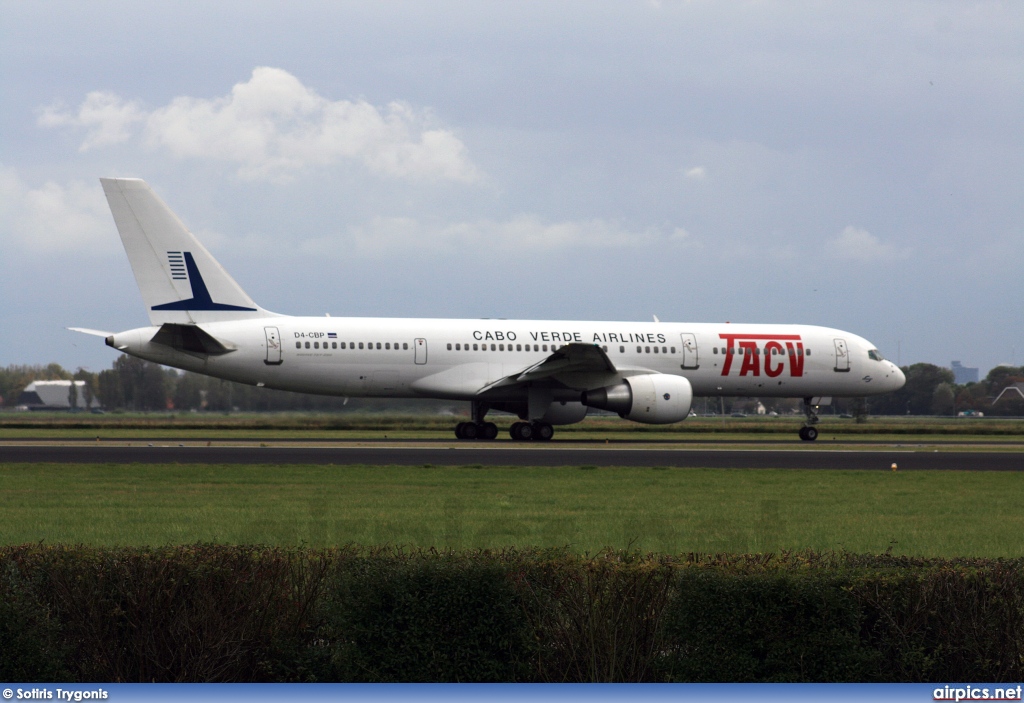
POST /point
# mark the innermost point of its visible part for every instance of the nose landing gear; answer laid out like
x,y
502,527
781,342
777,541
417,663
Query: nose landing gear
x,y
809,432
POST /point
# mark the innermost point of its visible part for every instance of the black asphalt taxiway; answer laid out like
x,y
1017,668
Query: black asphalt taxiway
x,y
881,459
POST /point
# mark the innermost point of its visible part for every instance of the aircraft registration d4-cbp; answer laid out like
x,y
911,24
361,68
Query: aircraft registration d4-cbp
x,y
547,372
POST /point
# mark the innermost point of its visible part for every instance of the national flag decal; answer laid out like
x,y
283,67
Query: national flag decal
x,y
332,335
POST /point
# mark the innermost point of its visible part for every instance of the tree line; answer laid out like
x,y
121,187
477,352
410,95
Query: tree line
x,y
137,385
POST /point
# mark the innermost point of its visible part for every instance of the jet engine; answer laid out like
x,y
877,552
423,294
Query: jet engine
x,y
654,399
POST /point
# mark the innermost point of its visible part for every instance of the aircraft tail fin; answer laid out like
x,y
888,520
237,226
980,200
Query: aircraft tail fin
x,y
179,279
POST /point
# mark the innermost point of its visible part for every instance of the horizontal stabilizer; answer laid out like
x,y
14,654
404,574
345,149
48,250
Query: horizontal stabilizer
x,y
190,338
86,330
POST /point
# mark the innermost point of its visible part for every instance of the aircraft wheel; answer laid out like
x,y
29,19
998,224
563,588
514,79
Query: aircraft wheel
x,y
542,431
487,430
458,430
469,430
521,431
811,434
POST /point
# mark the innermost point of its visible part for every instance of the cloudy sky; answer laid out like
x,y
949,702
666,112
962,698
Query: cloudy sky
x,y
857,165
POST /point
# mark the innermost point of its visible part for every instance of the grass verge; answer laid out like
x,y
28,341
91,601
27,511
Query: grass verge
x,y
665,510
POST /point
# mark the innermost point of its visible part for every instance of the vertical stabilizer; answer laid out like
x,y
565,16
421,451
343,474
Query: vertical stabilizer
x,y
179,279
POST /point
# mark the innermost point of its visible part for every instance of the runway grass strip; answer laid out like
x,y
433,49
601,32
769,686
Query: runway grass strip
x,y
666,510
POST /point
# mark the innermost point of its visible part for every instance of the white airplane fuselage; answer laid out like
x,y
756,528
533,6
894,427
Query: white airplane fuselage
x,y
455,359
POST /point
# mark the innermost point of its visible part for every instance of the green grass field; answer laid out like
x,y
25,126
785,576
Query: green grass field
x,y
666,510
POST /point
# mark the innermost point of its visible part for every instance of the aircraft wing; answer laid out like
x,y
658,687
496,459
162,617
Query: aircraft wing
x,y
570,360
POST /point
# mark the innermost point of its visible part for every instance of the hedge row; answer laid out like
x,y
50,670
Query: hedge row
x,y
229,613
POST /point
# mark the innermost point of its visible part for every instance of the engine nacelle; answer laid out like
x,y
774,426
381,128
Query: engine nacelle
x,y
654,399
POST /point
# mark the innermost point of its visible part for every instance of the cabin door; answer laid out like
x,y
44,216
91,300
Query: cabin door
x,y
273,346
421,351
842,355
689,351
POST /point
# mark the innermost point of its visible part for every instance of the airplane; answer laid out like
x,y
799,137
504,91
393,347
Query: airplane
x,y
546,372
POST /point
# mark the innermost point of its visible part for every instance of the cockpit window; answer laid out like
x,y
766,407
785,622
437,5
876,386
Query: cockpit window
x,y
875,354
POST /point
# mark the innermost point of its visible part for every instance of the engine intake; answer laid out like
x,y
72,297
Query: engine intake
x,y
654,399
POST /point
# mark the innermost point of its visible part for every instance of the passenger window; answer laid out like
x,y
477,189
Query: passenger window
x,y
492,348
298,345
808,352
519,347
545,347
605,349
536,347
655,350
501,347
449,346
639,350
316,345
360,345
474,347
673,350
334,345
622,350
342,345
663,350
307,345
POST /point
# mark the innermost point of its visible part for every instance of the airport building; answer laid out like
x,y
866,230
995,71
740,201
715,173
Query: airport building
x,y
55,395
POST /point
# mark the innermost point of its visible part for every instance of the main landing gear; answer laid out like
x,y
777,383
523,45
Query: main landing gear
x,y
537,431
809,432
476,430
520,431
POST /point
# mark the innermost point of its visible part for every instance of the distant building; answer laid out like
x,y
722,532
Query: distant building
x,y
964,374
54,395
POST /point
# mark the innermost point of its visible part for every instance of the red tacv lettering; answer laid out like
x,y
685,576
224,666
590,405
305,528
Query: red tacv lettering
x,y
751,361
746,344
770,348
796,359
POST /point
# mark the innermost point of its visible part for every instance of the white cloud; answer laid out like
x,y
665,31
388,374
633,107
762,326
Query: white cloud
x,y
54,218
855,244
697,173
524,233
272,126
106,118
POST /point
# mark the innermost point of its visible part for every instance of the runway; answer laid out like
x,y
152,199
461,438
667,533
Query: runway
x,y
477,455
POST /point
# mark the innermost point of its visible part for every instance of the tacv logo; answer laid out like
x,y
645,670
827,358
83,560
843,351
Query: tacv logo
x,y
183,267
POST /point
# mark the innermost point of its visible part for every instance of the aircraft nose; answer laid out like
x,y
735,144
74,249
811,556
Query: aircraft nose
x,y
898,379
